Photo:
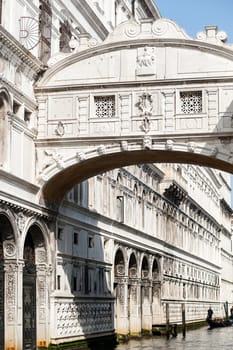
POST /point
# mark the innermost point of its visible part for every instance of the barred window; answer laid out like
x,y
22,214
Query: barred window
x,y
104,106
191,102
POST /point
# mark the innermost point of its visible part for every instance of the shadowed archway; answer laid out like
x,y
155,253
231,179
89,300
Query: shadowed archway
x,y
58,185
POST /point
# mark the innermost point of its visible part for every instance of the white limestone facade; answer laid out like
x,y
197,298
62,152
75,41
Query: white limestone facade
x,y
94,238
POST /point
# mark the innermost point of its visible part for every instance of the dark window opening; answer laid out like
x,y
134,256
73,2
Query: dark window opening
x,y
74,283
59,233
45,28
16,107
90,242
75,238
58,282
65,37
27,116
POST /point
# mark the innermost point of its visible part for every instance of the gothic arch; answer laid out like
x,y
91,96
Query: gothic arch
x,y
8,252
5,96
8,234
40,238
133,266
155,269
36,283
119,263
145,269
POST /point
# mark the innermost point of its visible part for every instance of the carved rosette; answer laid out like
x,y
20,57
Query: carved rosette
x,y
9,249
159,27
132,30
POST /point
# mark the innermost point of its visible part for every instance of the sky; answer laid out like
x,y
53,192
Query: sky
x,y
194,15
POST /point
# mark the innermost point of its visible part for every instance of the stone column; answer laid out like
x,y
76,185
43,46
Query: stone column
x,y
134,308
122,322
13,304
146,309
156,304
42,305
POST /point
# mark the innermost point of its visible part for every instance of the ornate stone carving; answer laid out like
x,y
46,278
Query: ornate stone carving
x,y
214,151
132,30
145,61
145,104
160,27
80,156
41,256
101,150
147,142
60,129
9,249
191,146
124,145
54,157
20,220
169,145
212,35
42,297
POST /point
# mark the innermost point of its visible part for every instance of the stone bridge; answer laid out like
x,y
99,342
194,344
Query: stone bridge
x,y
148,93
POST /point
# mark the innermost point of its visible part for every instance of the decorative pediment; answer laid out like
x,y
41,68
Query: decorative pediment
x,y
162,28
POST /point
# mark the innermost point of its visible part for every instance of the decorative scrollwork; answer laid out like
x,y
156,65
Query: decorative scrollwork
x,y
132,30
159,28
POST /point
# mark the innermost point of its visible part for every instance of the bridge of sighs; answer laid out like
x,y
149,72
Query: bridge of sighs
x,y
148,93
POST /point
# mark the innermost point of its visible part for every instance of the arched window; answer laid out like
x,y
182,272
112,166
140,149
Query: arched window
x,y
155,270
119,265
132,266
145,268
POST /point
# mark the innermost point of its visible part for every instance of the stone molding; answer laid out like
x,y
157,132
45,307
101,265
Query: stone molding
x,y
12,46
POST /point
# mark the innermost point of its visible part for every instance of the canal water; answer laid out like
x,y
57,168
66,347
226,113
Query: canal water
x,y
201,339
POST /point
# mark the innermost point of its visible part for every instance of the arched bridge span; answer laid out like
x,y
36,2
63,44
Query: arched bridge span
x,y
149,93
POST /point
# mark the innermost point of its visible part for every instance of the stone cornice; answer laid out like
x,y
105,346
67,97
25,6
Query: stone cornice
x,y
25,207
135,84
7,40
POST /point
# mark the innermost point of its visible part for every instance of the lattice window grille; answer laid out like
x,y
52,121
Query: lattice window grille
x,y
105,106
191,102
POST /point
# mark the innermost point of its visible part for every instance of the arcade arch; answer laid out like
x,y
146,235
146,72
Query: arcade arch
x,y
7,250
35,287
